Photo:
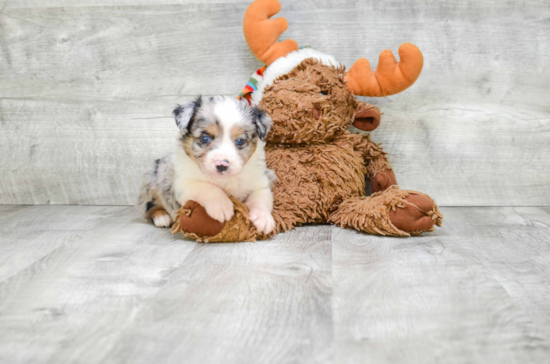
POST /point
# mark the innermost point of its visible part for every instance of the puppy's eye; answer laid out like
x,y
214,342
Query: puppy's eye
x,y
205,139
323,93
239,142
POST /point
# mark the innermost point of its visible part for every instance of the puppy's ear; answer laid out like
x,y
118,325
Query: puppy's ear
x,y
184,114
262,122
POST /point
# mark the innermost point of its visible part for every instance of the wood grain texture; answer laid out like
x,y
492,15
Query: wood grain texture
x,y
26,4
476,291
81,284
74,277
268,302
86,90
111,288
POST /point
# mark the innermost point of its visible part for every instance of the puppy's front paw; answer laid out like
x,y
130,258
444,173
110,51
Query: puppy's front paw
x,y
162,220
262,220
221,209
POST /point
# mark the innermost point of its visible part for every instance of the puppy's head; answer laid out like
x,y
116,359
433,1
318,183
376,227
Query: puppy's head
x,y
220,133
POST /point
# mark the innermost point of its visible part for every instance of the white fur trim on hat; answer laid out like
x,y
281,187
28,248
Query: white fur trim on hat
x,y
285,64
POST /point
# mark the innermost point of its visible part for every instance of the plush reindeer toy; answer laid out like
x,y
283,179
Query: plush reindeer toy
x,y
321,167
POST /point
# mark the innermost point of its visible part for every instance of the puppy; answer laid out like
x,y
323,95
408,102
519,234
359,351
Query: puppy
x,y
220,148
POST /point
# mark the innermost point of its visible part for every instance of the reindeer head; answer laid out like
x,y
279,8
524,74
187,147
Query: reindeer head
x,y
308,94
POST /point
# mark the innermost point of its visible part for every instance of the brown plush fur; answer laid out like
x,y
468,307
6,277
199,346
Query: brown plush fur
x,y
194,223
373,214
321,167
292,99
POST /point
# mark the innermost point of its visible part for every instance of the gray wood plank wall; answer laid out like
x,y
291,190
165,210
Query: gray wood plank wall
x,y
87,87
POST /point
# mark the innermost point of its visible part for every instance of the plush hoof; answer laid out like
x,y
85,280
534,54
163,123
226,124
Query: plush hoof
x,y
197,221
393,212
415,217
382,181
193,221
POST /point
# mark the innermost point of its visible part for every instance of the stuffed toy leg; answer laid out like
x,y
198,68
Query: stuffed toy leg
x,y
193,221
392,212
389,210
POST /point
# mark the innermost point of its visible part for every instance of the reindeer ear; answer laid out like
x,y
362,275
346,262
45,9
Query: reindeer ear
x,y
262,122
367,117
184,114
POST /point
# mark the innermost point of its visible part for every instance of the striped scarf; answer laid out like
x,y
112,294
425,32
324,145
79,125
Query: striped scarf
x,y
252,85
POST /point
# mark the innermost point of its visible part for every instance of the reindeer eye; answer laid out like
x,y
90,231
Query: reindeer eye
x,y
205,139
239,142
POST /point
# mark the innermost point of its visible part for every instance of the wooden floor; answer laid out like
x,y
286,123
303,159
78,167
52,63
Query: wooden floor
x,y
99,285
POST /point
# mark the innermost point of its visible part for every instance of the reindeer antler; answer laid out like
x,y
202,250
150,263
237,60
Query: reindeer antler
x,y
261,33
390,77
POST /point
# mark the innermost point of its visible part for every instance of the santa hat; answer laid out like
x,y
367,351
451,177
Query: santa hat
x,y
265,76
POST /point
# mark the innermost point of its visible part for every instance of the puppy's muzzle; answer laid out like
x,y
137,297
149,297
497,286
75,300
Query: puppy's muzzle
x,y
222,166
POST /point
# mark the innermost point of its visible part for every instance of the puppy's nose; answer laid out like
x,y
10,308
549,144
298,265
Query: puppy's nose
x,y
222,165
